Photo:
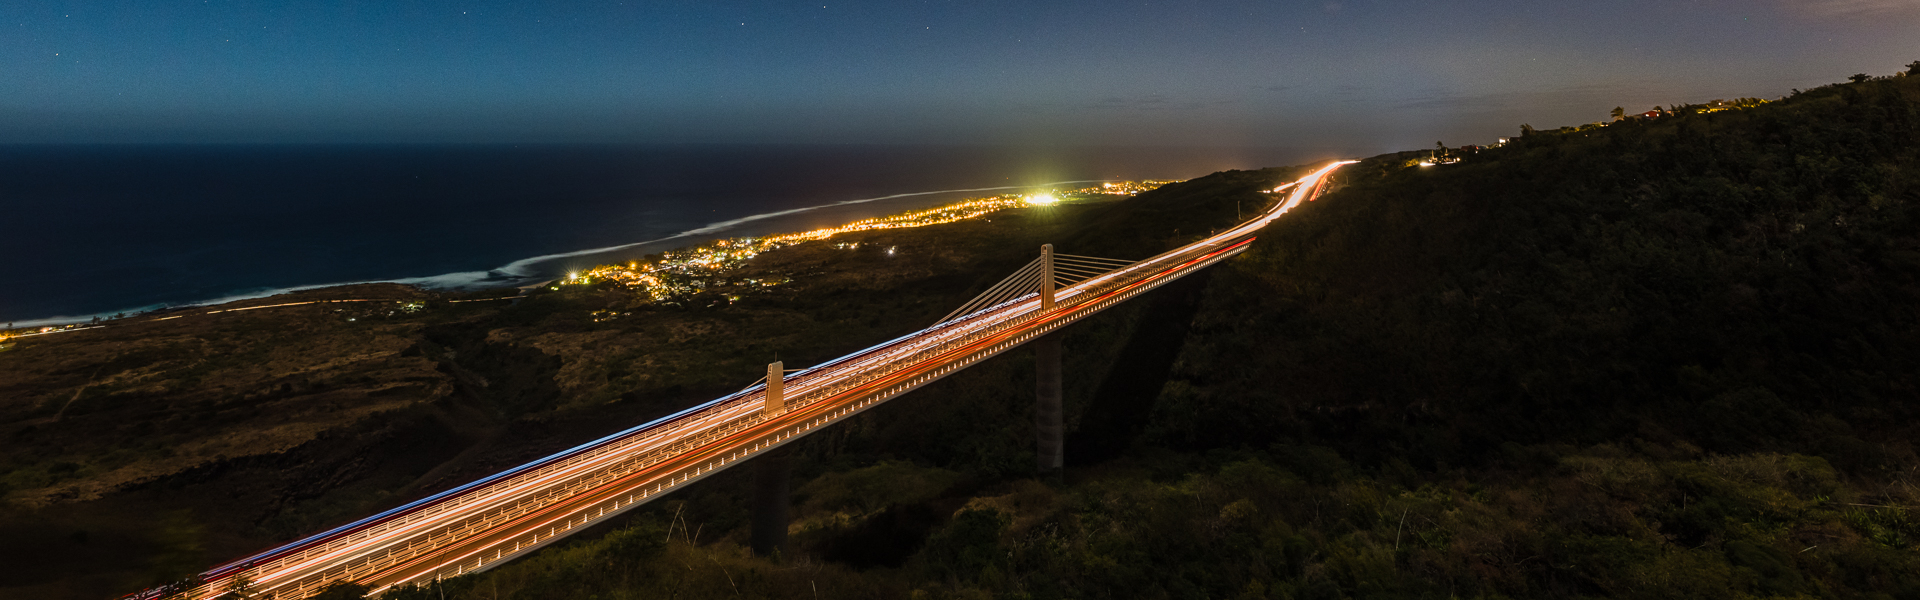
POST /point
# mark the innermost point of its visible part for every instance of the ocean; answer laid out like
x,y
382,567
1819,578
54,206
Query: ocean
x,y
99,230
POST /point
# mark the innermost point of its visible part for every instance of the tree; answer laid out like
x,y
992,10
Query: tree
x,y
1525,130
1913,68
1859,78
1619,113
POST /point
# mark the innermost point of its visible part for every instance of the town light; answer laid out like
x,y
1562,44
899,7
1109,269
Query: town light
x,y
1042,199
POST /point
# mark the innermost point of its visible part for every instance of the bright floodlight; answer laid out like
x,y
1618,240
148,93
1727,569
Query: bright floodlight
x,y
1042,198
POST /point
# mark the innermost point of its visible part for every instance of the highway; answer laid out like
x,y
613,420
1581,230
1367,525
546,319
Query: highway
x,y
488,522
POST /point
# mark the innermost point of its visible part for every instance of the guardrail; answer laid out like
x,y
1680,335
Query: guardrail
x,y
546,482
369,546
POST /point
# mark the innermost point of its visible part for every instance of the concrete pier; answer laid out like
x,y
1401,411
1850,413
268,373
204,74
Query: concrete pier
x,y
772,476
1048,414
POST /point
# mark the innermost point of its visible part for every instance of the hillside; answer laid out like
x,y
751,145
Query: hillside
x,y
135,453
1663,359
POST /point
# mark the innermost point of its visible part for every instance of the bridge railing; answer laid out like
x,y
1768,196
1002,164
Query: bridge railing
x,y
718,419
544,482
626,454
519,503
1024,309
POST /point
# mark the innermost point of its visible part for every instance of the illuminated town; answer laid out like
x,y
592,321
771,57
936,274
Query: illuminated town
x,y
688,271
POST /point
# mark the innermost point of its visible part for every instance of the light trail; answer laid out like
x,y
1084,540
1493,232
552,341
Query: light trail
x,y
488,522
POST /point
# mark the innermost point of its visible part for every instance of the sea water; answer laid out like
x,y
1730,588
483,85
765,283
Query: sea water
x,y
98,230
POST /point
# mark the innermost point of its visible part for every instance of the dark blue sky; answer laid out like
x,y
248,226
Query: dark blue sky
x,y
1349,74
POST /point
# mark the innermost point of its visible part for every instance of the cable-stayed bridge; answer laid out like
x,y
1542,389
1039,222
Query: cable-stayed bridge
x,y
488,522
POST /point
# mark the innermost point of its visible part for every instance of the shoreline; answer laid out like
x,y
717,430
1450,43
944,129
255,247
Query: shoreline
x,y
500,277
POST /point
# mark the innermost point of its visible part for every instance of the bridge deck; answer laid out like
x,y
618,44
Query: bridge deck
x,y
488,522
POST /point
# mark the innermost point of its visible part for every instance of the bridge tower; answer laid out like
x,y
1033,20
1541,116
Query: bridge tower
x,y
1046,277
772,478
776,401
1048,414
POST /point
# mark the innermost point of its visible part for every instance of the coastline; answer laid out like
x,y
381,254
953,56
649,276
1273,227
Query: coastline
x,y
522,274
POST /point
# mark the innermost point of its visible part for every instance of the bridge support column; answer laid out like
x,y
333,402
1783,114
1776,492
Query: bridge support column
x,y
772,474
1048,415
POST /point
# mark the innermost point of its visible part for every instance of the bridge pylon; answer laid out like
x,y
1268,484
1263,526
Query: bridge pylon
x,y
1046,277
772,475
776,388
1049,415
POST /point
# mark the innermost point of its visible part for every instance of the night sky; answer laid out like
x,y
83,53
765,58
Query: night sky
x,y
1348,74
